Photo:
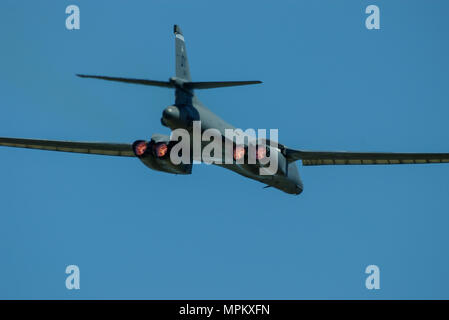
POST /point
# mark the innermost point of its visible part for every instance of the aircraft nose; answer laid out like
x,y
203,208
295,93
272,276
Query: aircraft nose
x,y
171,113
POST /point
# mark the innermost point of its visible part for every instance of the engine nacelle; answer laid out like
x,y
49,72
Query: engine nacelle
x,y
260,155
155,154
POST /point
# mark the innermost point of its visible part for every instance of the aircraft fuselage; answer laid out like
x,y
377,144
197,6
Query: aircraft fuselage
x,y
188,108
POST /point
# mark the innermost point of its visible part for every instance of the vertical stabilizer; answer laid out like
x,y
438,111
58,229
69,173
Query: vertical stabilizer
x,y
182,64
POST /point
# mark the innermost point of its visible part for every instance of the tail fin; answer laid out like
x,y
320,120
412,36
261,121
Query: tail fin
x,y
182,63
182,80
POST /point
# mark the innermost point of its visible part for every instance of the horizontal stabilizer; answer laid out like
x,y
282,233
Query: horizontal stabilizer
x,y
156,83
218,84
316,158
172,84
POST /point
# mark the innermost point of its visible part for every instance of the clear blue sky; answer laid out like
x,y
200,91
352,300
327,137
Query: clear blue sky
x,y
329,83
